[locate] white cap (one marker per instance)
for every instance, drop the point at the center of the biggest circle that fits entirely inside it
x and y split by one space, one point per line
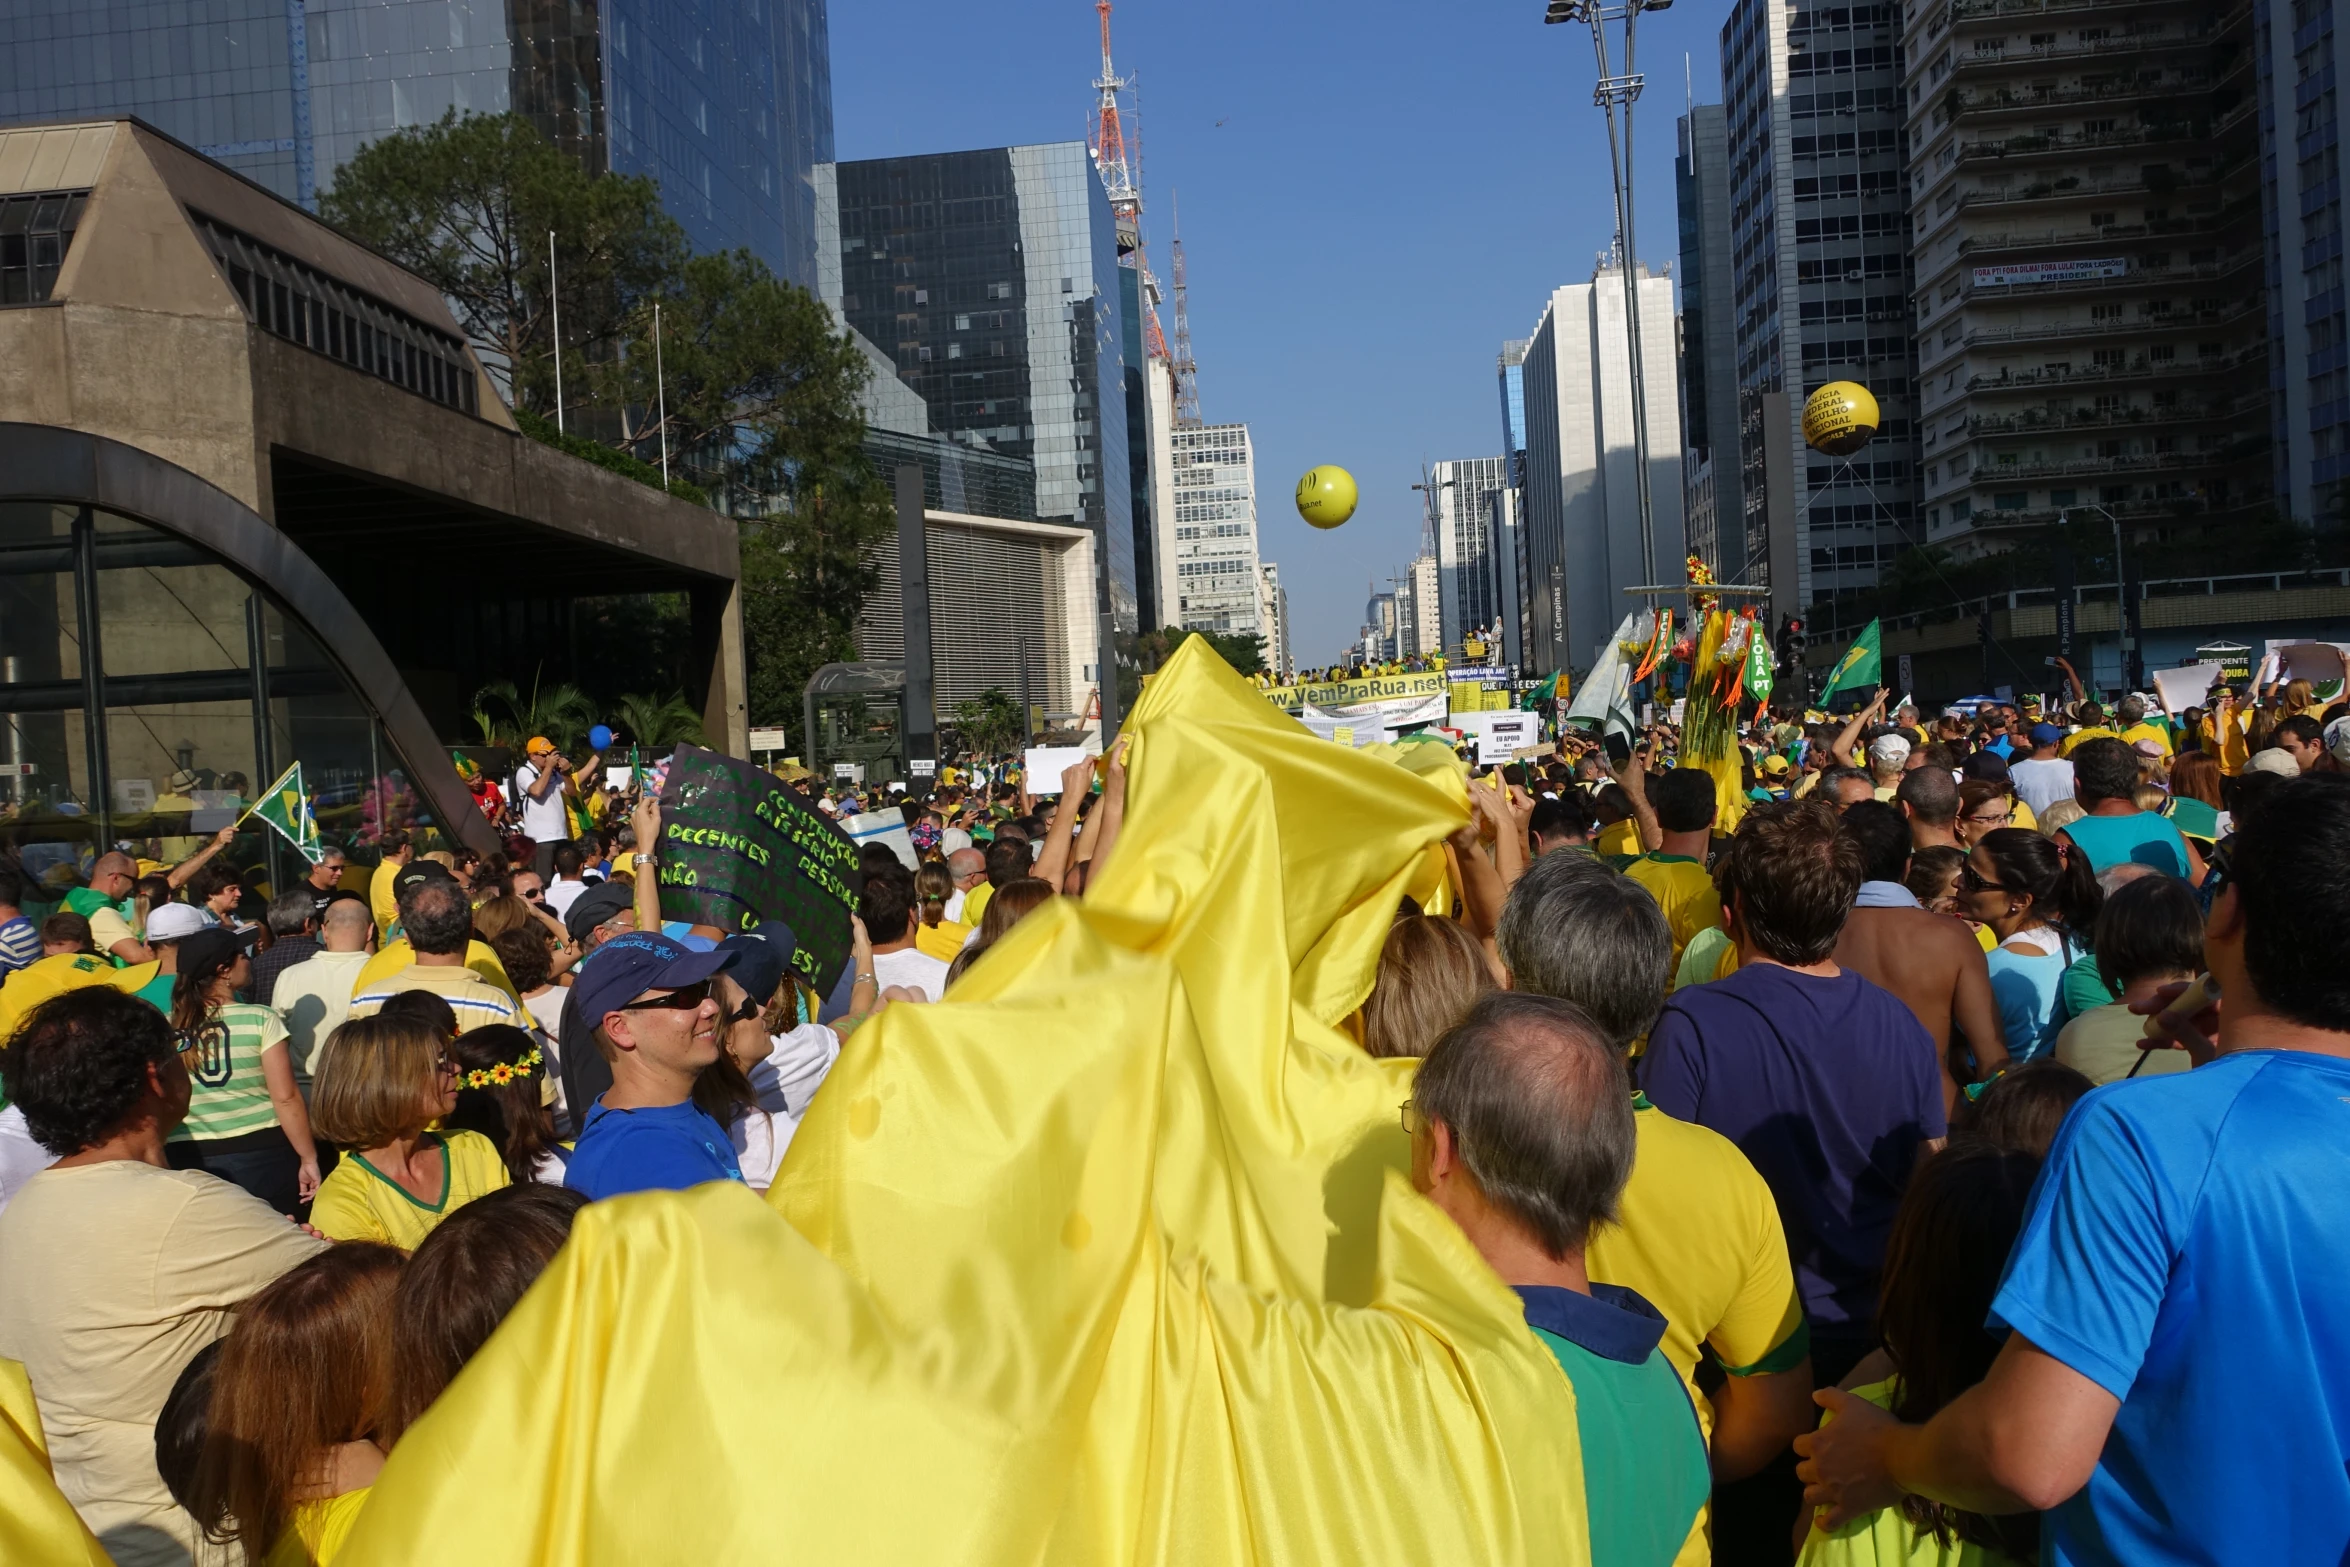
1889 750
172 921
2338 739
2275 759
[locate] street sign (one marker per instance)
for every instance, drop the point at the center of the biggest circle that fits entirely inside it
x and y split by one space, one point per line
770 739
922 767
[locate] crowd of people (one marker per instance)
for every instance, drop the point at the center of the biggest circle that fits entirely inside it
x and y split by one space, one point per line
1943 1162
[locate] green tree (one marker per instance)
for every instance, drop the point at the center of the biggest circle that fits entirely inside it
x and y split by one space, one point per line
989 723
506 717
468 202
659 722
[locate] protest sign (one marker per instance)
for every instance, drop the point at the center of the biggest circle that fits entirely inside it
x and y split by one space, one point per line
739 850
887 828
2185 686
1046 764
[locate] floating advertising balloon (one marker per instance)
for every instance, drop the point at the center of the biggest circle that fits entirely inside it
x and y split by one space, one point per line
1839 419
600 737
1326 496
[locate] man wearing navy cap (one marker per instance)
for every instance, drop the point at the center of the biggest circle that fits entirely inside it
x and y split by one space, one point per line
649 1003
2043 778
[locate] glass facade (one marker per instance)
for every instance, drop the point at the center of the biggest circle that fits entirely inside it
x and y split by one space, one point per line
991 281
146 692
727 105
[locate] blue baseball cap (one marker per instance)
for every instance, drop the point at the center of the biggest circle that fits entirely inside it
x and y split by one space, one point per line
761 958
2046 734
638 961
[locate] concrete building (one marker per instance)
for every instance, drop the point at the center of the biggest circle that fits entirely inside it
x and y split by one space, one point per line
1214 483
1419 601
2300 48
1468 524
1819 235
1582 510
1159 389
1709 360
990 280
1273 616
260 504
729 107
2092 325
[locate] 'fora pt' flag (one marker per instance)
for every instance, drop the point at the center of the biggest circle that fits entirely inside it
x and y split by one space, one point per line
1109 1258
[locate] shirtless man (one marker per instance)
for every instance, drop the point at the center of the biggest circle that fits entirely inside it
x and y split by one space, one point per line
1930 961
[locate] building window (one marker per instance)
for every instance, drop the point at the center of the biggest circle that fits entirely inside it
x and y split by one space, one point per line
35 233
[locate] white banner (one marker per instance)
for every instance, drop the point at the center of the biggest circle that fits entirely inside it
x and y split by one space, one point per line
2050 272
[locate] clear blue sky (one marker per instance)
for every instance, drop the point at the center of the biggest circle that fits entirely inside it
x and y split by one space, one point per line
1393 190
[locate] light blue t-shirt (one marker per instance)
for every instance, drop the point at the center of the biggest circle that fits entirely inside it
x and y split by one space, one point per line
2188 1250
2029 991
2141 836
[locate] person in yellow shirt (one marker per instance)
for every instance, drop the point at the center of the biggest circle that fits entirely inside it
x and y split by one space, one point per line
382 901
380 1083
1697 1234
2222 732
2093 727
1675 873
2136 726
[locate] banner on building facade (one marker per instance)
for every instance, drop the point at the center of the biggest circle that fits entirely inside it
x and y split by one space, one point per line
2025 272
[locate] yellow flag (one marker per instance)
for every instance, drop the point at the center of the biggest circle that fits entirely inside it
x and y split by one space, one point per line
1107 1259
38 1526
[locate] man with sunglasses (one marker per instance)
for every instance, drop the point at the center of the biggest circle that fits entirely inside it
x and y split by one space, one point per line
654 1019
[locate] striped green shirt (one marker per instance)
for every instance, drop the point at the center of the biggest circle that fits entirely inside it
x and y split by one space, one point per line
227 1094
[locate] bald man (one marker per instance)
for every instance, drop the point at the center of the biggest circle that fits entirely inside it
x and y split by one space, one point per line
969 868
100 903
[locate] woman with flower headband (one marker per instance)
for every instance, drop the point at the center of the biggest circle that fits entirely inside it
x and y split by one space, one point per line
382 1082
502 1095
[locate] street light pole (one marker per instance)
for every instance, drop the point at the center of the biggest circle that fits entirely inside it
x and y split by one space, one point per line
2121 589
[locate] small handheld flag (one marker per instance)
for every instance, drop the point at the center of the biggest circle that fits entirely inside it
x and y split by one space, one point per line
1860 667
285 805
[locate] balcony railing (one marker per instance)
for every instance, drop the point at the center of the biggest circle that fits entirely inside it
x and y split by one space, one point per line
1971 10
2140 369
1821 632
2096 467
2067 146
2143 277
2183 320
2073 188
2133 44
2168 228
2075 92
2047 421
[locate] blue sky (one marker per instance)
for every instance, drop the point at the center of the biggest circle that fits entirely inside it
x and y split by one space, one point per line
1392 192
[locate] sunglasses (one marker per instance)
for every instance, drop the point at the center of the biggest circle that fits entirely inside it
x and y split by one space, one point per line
1970 881
749 1010
683 999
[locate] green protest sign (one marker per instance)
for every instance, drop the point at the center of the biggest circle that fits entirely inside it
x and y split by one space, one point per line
739 850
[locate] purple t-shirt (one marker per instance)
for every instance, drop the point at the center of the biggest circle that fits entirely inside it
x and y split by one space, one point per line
1829 1086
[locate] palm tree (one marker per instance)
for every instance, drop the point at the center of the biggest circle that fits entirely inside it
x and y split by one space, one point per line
657 723
561 712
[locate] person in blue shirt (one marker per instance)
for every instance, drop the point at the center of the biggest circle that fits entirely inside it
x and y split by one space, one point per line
2177 1308
654 1018
2105 781
1522 1132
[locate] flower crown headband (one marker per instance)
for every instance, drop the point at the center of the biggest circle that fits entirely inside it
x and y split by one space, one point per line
504 1072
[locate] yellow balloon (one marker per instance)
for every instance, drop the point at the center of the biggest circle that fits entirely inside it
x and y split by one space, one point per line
1326 496
1839 419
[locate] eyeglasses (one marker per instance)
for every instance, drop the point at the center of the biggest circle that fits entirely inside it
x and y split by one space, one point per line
1413 1120
2000 820
447 1066
1970 881
683 999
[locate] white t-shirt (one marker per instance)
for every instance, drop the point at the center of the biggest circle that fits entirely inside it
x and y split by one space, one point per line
21 1158
561 894
2041 784
954 911
546 1010
314 997
542 820
794 1069
912 968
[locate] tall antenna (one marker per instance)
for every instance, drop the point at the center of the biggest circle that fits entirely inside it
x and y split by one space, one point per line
1119 168
1186 372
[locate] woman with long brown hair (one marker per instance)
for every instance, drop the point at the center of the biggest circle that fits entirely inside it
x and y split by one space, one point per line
2196 806
1431 971
246 1121
1020 896
299 1395
501 1078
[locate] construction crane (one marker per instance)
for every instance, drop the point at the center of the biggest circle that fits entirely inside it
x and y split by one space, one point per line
1117 166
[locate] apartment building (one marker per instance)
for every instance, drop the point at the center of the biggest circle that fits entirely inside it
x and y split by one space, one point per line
2092 324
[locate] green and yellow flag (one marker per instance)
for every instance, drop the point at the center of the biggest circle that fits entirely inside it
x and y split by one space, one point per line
285 805
1861 667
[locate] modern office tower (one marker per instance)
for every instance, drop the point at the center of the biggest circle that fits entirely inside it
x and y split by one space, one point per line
1709 360
1819 228
1517 607
2092 326
1512 366
1215 559
2302 212
1424 625
991 281
1382 637
1159 388
728 106
1582 506
1469 540
1273 618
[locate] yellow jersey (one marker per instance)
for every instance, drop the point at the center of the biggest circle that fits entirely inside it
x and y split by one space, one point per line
1684 891
314 1536
358 1202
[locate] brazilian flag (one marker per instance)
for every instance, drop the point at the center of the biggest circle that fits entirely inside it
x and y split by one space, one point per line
1860 669
285 805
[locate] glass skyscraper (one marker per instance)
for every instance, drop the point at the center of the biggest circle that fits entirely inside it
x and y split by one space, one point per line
990 280
728 106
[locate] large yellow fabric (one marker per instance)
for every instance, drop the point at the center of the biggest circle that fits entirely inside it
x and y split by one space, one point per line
38 1526
43 978
1106 1260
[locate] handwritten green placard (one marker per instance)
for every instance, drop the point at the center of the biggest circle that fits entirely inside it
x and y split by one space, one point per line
739 850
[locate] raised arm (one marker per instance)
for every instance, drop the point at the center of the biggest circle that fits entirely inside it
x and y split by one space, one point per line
179 874
1633 776
1052 866
646 869
1842 748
